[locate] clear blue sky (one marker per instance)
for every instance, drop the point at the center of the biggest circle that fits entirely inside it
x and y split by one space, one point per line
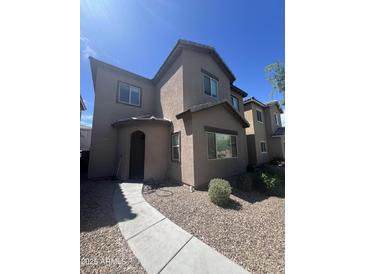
137 35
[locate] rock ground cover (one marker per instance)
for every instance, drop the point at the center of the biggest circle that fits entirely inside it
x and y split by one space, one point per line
250 230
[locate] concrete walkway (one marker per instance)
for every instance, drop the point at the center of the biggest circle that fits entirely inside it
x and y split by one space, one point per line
159 244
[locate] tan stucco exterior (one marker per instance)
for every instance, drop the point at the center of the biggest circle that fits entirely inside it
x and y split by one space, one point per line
176 87
263 132
156 152
207 169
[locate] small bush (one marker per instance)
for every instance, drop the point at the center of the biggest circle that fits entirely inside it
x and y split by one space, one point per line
271 184
245 182
251 168
219 191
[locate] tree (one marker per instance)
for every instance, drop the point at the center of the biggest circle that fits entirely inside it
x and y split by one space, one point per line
275 74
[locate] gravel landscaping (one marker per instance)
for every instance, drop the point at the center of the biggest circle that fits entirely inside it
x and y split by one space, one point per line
102 247
250 230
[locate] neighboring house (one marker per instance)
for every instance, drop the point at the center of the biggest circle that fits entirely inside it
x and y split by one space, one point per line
187 123
85 138
265 135
82 106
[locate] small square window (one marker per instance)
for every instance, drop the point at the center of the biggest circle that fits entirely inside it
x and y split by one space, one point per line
210 86
263 147
259 115
235 103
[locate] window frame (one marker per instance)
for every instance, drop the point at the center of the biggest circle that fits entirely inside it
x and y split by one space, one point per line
179 146
257 117
230 145
276 119
204 74
238 102
263 142
129 103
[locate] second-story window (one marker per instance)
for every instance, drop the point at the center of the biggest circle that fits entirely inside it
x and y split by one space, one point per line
175 147
235 103
210 86
259 116
129 94
276 119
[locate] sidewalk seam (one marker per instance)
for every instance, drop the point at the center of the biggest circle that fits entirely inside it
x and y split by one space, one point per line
138 203
175 254
145 229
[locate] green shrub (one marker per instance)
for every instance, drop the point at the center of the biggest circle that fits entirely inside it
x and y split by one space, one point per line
270 184
219 191
245 182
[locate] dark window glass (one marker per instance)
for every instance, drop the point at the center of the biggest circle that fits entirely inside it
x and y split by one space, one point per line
235 103
263 147
234 146
214 87
259 115
211 146
124 93
135 97
207 89
175 146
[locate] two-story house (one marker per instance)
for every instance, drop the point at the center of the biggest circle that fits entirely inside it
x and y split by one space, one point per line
265 135
187 123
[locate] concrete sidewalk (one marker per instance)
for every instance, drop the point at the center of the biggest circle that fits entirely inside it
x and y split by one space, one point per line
159 244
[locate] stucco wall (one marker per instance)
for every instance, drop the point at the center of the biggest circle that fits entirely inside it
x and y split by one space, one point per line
240 102
106 111
193 79
85 138
156 149
248 114
260 135
169 102
206 169
277 147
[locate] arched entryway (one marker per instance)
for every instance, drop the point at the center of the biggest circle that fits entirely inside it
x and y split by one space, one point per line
136 162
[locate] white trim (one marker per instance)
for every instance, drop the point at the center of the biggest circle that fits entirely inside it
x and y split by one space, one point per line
230 145
263 152
210 82
262 115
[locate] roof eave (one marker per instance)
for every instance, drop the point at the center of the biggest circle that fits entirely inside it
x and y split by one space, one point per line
226 105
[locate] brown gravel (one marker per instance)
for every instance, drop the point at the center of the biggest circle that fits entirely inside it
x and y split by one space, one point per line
250 231
102 247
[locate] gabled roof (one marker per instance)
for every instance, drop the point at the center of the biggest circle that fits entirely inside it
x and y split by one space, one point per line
206 106
279 132
275 103
180 45
237 89
254 100
145 118
185 44
82 103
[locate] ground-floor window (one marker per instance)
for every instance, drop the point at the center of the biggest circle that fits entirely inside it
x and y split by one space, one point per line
221 146
175 147
263 147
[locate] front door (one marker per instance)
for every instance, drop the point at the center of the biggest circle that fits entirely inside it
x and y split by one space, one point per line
136 163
